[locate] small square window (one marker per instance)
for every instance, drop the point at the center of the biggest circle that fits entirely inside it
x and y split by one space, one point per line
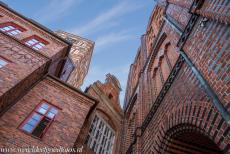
36 43
11 28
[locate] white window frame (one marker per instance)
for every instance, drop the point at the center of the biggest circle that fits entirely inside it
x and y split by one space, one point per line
11 30
105 138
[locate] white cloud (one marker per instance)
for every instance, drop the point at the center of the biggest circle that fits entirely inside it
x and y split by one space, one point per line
106 18
54 10
111 38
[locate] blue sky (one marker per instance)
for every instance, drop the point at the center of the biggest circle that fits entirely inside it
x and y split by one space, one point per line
114 25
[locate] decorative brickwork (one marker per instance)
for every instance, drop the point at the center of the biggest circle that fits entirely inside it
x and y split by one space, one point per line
25 83
181 101
108 109
80 54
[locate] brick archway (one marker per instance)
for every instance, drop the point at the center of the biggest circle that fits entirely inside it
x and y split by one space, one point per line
187 138
198 119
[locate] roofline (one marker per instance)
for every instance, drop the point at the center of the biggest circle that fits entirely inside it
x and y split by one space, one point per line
74 35
34 23
72 88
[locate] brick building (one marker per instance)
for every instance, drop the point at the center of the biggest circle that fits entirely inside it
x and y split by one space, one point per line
80 56
38 108
177 96
102 130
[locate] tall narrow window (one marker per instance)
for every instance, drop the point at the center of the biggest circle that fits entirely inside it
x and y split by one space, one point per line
11 28
40 119
101 137
3 62
35 42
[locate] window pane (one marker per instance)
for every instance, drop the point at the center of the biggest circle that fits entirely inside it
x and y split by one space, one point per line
30 42
54 110
50 115
2 29
34 40
28 128
2 62
35 48
11 27
13 32
42 110
32 122
45 106
101 136
41 127
6 28
38 46
41 44
36 117
18 31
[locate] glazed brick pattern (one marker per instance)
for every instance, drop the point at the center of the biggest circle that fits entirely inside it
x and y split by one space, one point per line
208 47
181 3
179 14
66 126
24 68
217 10
186 102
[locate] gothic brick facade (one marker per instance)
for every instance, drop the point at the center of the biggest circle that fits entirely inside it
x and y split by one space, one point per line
108 109
177 96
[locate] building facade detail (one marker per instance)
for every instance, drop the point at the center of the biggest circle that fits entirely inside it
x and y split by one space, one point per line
177 103
80 54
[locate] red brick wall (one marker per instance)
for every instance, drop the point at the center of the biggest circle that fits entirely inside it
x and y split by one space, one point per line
208 47
55 49
107 109
24 68
186 103
66 126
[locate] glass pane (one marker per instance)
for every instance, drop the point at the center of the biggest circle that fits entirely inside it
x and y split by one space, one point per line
34 40
32 122
50 115
41 44
36 116
27 128
2 62
11 27
38 46
13 33
54 110
6 28
30 42
45 105
18 31
42 110
35 48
